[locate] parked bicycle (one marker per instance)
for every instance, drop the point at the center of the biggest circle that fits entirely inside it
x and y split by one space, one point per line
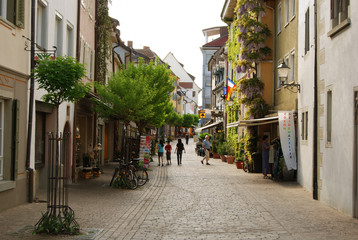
140 172
124 176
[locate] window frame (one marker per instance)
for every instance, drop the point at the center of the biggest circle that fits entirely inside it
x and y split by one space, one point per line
337 19
307 31
279 18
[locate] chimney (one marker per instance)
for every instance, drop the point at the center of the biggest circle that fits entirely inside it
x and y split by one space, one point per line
146 47
130 44
223 31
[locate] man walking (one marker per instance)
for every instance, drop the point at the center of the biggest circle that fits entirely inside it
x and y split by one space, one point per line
206 145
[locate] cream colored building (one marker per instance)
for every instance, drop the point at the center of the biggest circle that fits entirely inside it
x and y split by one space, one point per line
14 78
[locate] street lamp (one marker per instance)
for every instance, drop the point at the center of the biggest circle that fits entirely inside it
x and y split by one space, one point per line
282 71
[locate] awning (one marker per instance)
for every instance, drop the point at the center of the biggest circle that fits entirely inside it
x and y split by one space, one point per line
253 122
209 126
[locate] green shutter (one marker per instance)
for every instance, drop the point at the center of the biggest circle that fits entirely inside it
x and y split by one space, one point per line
20 13
15 138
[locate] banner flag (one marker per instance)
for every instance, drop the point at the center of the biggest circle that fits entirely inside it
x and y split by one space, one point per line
230 89
288 138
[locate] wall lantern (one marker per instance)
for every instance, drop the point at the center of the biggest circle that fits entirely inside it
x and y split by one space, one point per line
282 71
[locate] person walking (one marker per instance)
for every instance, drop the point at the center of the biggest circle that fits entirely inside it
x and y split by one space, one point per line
160 152
207 146
168 150
187 138
179 150
265 156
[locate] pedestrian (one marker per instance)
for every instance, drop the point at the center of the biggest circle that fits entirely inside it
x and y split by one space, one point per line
168 150
207 147
265 156
179 150
187 138
160 152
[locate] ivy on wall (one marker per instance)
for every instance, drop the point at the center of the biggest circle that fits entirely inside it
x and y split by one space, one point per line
246 49
103 46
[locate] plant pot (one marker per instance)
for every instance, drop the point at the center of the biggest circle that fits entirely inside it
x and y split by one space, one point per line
216 155
239 164
223 158
230 159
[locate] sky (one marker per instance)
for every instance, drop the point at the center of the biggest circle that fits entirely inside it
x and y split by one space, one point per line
169 26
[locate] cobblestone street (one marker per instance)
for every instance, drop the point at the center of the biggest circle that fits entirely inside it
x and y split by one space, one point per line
191 201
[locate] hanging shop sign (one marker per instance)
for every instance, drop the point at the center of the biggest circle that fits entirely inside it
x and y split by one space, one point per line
288 138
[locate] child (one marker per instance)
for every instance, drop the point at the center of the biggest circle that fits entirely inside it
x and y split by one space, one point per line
168 149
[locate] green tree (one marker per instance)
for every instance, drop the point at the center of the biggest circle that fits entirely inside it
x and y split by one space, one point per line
139 93
61 78
188 120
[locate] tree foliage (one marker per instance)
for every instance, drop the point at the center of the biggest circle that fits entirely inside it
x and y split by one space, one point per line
139 93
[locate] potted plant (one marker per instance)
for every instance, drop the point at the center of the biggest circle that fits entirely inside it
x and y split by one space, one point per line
215 149
240 155
230 153
222 150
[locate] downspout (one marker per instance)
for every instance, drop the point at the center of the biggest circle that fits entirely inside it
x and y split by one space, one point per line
315 110
31 106
74 131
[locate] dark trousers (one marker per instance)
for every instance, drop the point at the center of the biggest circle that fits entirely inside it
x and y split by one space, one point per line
179 156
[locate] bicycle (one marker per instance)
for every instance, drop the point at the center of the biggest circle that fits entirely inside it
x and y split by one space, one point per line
124 176
140 172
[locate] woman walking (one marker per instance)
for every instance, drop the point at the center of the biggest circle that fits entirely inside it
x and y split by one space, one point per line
160 152
179 150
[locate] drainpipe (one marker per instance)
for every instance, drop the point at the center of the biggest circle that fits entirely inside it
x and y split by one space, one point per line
315 110
31 106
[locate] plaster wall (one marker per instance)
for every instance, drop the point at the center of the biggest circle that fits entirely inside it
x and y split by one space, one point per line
337 72
305 98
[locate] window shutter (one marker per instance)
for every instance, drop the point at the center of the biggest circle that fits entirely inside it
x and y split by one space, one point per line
20 13
15 138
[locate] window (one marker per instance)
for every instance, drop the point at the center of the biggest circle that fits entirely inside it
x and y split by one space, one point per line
40 138
292 67
279 27
193 93
1 138
69 40
287 60
13 11
287 12
292 8
41 32
304 126
339 11
307 31
58 34
329 116
278 78
90 64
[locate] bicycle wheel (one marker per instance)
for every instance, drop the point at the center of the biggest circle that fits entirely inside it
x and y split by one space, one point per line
131 180
142 176
116 171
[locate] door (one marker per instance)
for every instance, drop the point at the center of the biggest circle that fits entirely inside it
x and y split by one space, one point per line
355 154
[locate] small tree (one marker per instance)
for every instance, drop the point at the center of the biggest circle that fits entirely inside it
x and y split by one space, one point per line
139 93
61 78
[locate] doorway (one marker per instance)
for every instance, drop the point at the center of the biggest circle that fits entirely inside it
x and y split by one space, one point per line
355 154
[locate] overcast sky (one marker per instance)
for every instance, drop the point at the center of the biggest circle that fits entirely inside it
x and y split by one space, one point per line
169 26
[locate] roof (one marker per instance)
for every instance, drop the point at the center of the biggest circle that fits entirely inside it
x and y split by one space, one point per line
186 84
219 42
